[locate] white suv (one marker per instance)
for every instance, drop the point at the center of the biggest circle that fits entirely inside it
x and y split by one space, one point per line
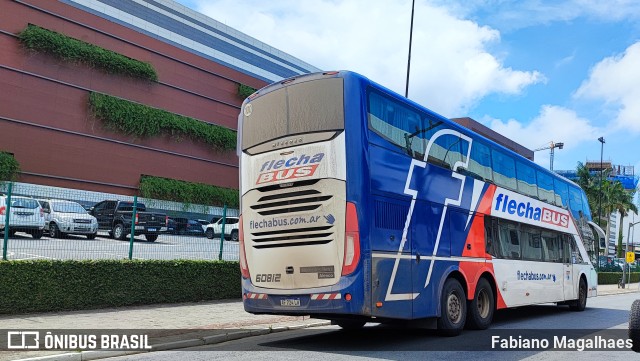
230 229
26 216
67 217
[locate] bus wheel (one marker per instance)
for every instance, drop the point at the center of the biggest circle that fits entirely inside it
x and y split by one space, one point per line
480 313
349 324
634 325
453 308
581 303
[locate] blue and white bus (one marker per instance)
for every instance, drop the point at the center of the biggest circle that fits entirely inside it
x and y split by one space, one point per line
360 205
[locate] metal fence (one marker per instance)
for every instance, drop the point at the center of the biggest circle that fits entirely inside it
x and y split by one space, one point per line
42 222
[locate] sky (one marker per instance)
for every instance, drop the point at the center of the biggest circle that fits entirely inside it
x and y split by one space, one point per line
535 71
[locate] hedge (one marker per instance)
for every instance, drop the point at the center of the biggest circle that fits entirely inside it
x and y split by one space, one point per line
70 49
188 192
9 167
143 121
611 278
41 286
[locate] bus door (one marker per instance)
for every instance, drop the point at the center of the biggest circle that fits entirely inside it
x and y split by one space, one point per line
567 276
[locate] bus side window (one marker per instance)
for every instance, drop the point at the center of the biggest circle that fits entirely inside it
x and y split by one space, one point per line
526 179
509 240
551 241
545 187
530 241
492 245
396 123
480 164
566 248
562 193
576 257
446 151
504 170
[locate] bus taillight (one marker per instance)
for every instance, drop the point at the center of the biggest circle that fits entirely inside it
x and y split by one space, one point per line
351 241
244 267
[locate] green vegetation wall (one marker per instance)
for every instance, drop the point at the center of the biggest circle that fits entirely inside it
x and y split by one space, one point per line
143 121
67 48
187 192
9 167
36 286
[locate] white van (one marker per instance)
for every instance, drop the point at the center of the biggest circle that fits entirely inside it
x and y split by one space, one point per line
25 216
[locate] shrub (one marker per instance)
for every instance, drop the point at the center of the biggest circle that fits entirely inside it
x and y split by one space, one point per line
9 167
143 121
611 278
70 49
187 192
37 286
245 90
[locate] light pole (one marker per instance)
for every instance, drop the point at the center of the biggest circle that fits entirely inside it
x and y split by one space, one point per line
601 140
551 146
406 91
624 264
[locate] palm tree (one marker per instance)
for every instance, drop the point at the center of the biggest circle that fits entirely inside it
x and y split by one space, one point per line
590 183
616 198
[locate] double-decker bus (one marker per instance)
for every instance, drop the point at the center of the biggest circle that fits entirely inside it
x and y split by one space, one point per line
360 205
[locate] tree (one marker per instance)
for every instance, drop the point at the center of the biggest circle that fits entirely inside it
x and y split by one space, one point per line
590 183
616 198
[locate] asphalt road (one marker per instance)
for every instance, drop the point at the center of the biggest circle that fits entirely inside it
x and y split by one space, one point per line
402 343
167 246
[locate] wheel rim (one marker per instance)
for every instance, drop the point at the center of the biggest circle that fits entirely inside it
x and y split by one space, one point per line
454 309
483 303
117 232
54 231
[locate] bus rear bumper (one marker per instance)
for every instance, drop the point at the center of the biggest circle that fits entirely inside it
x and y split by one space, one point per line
339 301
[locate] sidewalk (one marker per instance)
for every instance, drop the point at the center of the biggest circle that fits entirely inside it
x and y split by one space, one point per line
176 325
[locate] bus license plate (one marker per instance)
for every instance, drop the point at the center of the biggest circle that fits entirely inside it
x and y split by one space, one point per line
290 302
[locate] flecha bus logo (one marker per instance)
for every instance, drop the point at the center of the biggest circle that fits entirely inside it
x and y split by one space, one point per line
530 211
289 169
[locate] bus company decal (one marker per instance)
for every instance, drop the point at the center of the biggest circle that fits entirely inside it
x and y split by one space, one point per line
516 207
291 168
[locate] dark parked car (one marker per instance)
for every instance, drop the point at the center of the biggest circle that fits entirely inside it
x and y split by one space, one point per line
172 226
194 228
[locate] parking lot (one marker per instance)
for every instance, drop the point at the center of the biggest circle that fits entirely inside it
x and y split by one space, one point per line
168 246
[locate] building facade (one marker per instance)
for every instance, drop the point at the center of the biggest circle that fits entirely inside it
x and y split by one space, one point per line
47 120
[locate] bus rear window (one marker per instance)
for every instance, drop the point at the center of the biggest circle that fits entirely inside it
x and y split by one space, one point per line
308 107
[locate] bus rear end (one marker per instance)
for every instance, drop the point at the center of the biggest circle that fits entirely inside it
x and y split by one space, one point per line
299 239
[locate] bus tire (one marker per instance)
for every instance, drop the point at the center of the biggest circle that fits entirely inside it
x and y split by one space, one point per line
453 308
581 303
480 309
634 325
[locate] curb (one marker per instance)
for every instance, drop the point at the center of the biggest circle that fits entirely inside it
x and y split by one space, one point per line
194 342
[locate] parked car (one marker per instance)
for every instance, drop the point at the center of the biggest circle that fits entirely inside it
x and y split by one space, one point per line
178 225
204 223
194 228
67 217
115 217
230 229
25 216
172 227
